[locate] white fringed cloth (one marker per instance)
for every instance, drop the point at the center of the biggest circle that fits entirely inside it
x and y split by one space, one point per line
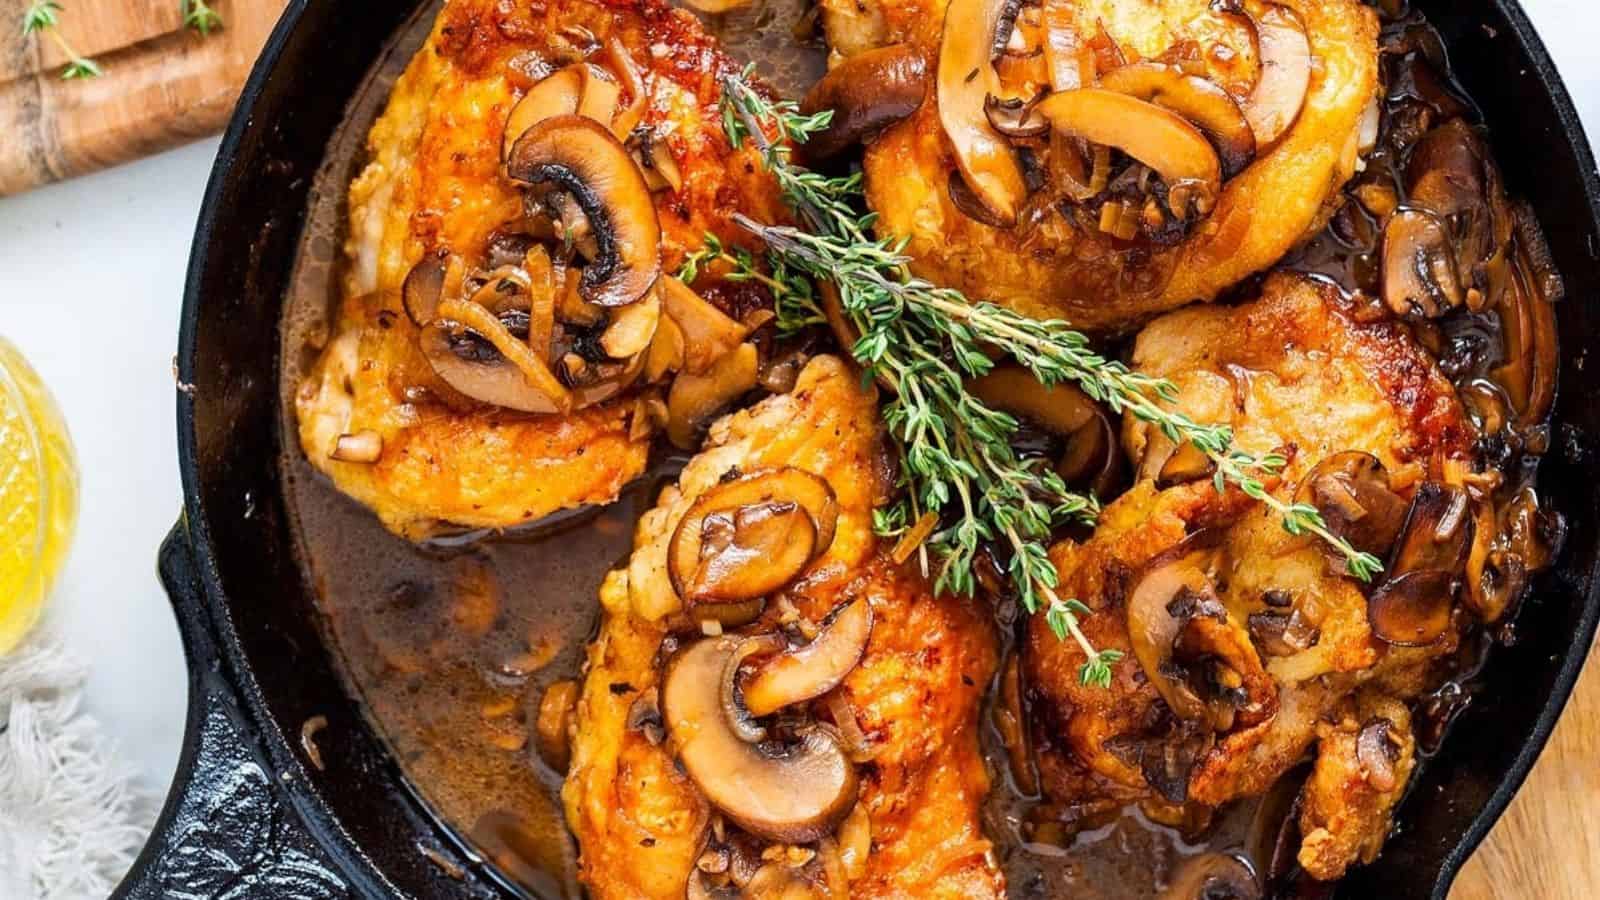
71 817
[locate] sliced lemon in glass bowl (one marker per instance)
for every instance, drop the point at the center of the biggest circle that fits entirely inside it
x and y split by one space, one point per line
38 495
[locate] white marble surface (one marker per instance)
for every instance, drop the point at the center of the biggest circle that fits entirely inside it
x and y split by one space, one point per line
91 276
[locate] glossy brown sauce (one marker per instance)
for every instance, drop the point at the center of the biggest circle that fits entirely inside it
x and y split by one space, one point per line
451 645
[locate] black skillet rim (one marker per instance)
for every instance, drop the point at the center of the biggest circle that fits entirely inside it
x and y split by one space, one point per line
276 747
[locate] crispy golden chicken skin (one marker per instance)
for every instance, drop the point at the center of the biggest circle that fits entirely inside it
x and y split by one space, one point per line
1077 260
1245 646
435 184
642 823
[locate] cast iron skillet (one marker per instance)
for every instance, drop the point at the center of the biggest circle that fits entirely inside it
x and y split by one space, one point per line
250 817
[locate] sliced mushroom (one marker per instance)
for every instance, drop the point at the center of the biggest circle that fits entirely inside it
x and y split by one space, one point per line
1351 490
709 334
428 282
965 78
582 158
1092 458
666 353
739 717
815 669
1206 105
1061 409
1283 633
694 399
1160 139
1274 104
1014 117
1419 266
1377 752
555 95
475 354
797 795
1437 531
1153 629
867 92
751 535
1413 609
741 553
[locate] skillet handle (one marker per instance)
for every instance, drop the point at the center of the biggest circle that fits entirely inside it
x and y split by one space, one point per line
227 830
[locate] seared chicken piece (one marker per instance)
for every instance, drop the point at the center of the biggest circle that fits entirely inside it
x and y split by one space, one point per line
422 453
643 824
1246 645
1284 93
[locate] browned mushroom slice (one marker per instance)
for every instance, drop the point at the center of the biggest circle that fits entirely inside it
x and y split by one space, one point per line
739 717
816 668
1412 610
1160 139
1199 660
1092 458
794 795
1274 104
1202 102
1061 408
866 92
694 400
965 78
1377 751
1437 532
1153 629
556 95
1351 490
429 281
1419 266
709 334
475 354
749 536
582 158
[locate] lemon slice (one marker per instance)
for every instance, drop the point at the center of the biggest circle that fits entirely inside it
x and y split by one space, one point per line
38 495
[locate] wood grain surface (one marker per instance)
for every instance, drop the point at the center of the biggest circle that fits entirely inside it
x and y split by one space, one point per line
164 84
1547 846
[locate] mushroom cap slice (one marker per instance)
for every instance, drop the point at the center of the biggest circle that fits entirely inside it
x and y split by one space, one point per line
505 373
1152 629
1419 266
694 399
795 796
867 92
1060 408
1160 139
1202 102
1412 610
965 79
556 95
581 157
709 334
815 669
704 573
1274 103
1351 490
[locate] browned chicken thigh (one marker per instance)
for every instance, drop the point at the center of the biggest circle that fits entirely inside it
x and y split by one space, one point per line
869 780
433 427
1246 646
1102 161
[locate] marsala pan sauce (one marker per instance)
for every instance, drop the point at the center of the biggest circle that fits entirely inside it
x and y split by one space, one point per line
452 645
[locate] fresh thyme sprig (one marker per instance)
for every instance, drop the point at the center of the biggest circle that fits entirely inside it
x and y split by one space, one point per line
197 14
925 341
43 17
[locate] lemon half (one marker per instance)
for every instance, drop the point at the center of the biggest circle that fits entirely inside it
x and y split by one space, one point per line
38 495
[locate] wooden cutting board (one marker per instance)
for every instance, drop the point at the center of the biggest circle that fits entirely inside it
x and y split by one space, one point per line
1547 846
164 84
